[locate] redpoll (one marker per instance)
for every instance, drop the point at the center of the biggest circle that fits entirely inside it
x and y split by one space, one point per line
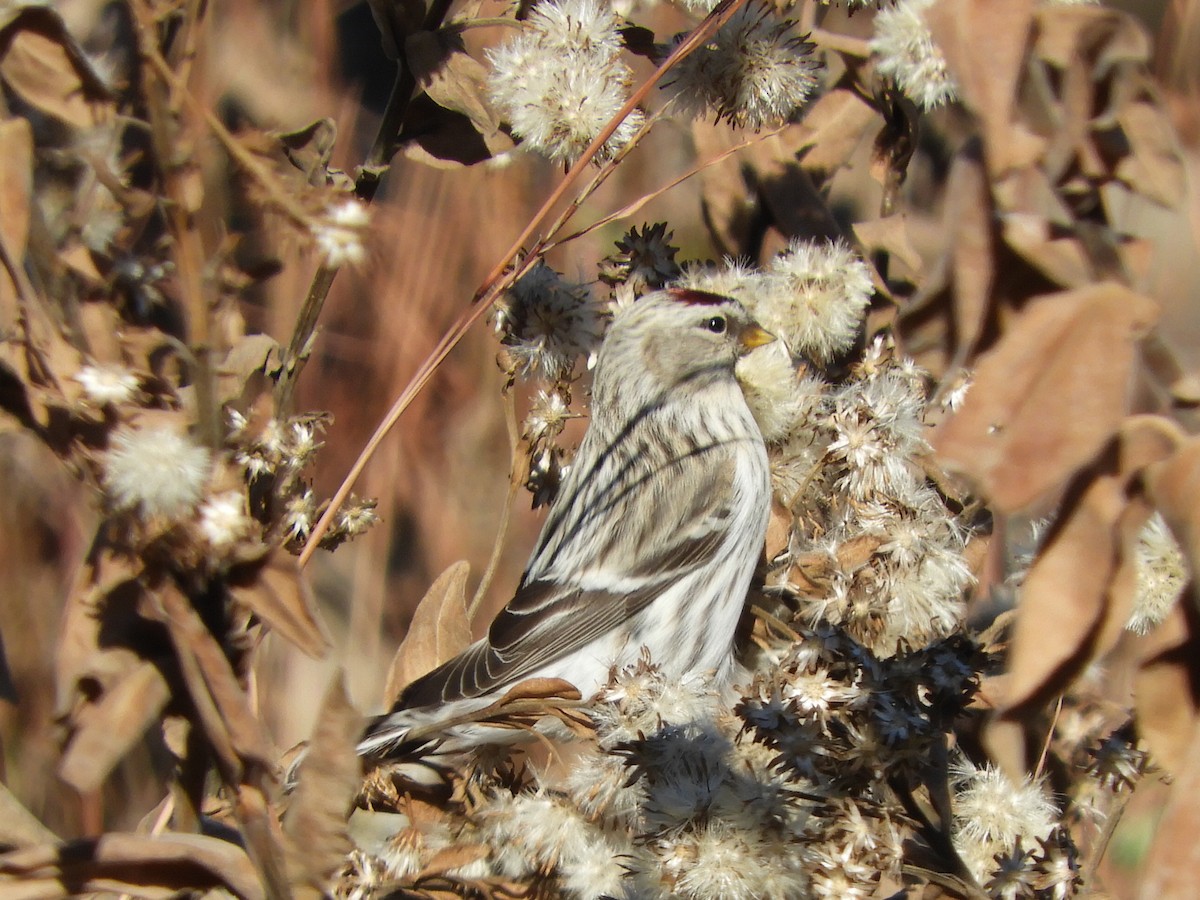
653 538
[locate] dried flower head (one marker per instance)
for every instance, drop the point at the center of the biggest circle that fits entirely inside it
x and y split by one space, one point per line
562 80
1162 575
755 73
782 395
103 385
818 293
992 814
223 520
644 260
908 55
546 323
548 415
155 471
339 233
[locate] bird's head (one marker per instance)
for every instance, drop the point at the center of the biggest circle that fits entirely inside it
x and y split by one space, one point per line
674 338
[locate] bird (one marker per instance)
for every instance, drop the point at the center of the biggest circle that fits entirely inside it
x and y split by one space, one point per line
650 545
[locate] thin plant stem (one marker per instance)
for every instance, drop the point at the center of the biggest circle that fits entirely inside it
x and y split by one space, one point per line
195 288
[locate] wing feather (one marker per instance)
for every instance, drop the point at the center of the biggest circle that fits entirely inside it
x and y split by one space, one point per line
598 561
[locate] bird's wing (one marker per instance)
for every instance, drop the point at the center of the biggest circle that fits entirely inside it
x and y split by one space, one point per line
546 621
555 613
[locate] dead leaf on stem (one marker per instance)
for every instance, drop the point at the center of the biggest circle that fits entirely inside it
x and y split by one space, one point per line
329 778
440 629
1078 594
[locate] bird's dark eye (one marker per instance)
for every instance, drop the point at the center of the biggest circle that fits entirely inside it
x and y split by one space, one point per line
716 325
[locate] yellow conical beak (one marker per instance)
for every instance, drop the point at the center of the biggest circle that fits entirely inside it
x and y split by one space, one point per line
754 336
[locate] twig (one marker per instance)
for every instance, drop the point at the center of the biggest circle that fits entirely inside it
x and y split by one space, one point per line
1041 763
633 207
173 165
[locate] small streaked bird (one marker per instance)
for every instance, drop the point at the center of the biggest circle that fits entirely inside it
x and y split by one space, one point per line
653 537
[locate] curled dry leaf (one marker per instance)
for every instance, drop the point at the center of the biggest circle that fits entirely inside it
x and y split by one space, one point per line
1174 859
833 128
222 707
275 590
1078 594
890 234
969 230
1174 487
18 826
1165 697
329 778
1049 396
467 129
439 630
41 62
150 866
105 731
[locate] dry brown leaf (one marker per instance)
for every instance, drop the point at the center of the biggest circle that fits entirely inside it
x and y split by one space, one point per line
454 857
456 82
972 255
150 866
1079 592
1174 488
1164 692
1063 597
440 629
540 689
779 529
1169 873
1062 260
310 150
1048 397
108 729
41 63
251 355
262 835
890 235
275 590
16 186
984 44
329 778
235 733
1154 167
832 128
18 826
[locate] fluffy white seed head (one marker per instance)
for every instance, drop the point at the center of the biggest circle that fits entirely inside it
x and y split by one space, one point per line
562 80
223 521
1162 575
107 384
781 395
816 296
908 55
755 73
339 234
991 814
155 471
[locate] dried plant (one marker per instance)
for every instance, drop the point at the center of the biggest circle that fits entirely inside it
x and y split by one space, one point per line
971 647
